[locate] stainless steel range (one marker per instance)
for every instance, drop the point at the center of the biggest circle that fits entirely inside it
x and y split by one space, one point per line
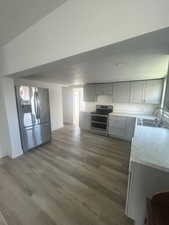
99 119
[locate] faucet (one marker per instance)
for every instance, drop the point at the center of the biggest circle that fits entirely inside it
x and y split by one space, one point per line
159 113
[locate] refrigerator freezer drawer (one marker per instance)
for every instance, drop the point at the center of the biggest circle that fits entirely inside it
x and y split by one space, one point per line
35 136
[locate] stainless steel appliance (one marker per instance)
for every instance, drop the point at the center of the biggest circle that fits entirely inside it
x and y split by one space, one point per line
99 119
34 116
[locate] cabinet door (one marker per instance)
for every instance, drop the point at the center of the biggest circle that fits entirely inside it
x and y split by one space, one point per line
121 92
89 93
104 89
122 127
130 128
137 92
129 189
117 126
153 91
108 89
99 89
85 120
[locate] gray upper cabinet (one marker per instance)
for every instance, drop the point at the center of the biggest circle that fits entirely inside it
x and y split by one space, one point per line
137 92
99 89
146 92
121 92
89 93
108 89
104 89
153 91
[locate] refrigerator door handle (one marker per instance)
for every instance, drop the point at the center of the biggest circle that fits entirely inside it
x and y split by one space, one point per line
35 105
38 106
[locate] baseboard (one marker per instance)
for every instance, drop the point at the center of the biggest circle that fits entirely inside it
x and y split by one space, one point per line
16 155
67 123
3 155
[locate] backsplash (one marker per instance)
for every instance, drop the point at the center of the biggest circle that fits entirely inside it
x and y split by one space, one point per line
126 108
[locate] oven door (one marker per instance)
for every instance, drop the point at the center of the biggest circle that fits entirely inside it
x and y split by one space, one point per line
99 122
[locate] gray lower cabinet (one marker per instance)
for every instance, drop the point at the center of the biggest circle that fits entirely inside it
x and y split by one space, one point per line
121 127
121 92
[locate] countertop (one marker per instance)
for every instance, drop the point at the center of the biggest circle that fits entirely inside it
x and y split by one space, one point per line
150 146
145 116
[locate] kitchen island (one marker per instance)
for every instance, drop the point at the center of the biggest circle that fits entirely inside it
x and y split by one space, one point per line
148 169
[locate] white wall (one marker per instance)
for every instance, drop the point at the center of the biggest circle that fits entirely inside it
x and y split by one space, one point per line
67 93
5 144
125 108
55 99
1 151
56 107
10 136
78 26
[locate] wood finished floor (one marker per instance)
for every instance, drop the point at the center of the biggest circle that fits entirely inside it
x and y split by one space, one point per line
78 179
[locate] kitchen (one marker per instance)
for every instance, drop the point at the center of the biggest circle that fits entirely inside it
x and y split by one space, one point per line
124 97
147 130
134 116
84 113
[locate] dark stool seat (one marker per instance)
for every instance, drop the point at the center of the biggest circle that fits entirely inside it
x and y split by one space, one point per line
158 209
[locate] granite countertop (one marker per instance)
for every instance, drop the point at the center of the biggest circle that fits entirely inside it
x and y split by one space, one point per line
150 146
145 116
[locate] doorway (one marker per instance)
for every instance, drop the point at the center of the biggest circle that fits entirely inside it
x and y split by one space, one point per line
78 104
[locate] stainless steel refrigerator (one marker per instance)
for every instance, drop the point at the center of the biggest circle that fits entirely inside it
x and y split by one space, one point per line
34 116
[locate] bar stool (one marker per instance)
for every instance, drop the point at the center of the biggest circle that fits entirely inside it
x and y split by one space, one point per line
158 209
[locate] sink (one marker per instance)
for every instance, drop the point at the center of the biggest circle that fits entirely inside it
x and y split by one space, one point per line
149 123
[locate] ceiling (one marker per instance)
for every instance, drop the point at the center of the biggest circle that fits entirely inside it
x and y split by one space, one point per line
17 15
144 57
